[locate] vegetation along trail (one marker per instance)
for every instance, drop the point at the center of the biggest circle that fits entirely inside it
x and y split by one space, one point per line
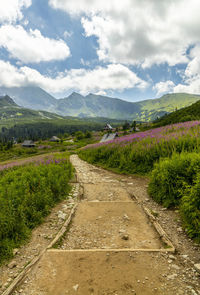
112 246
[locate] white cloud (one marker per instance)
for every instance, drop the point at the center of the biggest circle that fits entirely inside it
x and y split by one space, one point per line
10 76
112 77
138 31
10 10
164 87
32 46
191 76
67 34
192 86
84 62
101 92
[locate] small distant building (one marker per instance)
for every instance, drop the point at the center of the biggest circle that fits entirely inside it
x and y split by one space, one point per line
108 137
108 127
55 139
136 129
69 140
28 143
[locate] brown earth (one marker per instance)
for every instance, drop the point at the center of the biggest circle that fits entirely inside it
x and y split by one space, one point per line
108 225
106 250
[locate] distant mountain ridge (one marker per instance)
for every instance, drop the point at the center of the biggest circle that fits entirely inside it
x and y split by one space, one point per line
96 106
30 97
6 101
93 105
9 110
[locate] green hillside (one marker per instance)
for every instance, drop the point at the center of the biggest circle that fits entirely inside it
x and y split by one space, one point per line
11 113
189 113
153 108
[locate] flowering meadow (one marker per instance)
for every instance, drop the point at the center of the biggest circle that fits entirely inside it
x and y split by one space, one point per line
170 155
137 152
27 193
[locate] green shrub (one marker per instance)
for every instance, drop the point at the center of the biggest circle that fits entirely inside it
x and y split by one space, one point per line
176 182
190 210
171 176
26 195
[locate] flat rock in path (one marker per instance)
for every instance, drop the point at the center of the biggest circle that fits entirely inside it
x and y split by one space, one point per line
12 264
172 277
75 287
61 215
125 237
197 267
15 251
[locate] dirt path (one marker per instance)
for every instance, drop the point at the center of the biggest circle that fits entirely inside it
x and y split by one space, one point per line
112 248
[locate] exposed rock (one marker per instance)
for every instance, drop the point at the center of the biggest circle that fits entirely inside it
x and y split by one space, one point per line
15 251
125 217
172 257
125 237
179 229
122 231
75 287
61 215
197 267
12 264
172 277
175 266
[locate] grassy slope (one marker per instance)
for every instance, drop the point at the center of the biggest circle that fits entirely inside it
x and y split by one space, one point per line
152 108
189 113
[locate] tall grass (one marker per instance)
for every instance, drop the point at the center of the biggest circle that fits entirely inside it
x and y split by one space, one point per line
175 182
27 194
137 153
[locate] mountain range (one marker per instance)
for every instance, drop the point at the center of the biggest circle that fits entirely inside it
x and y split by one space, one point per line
10 111
93 105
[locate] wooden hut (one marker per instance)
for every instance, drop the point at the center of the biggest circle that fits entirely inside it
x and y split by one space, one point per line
55 139
108 127
28 143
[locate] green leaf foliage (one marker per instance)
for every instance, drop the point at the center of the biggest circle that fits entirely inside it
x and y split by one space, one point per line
26 196
190 209
175 181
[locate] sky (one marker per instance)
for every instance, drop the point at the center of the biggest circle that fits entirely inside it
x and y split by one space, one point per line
130 49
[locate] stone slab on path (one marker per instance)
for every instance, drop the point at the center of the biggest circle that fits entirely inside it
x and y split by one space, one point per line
111 225
105 192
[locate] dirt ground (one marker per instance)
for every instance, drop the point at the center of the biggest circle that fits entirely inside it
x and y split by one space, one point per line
111 225
108 273
107 249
